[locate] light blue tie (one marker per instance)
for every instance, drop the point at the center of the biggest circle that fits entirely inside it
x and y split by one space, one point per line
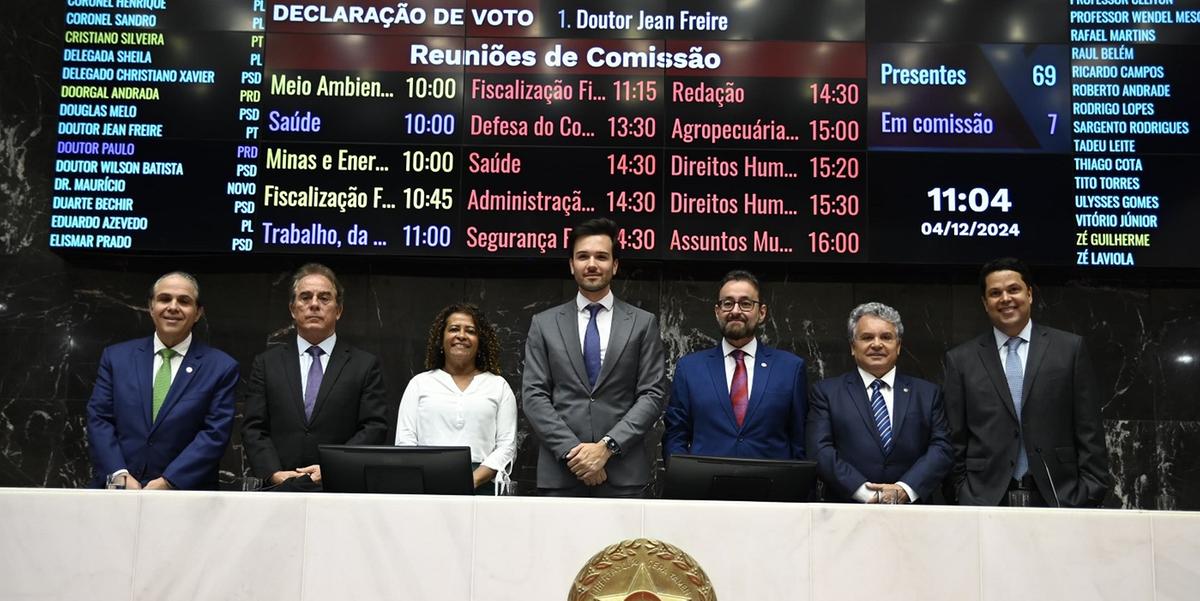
591 346
882 421
1016 380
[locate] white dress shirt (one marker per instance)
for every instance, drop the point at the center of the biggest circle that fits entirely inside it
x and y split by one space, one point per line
603 320
433 411
889 379
180 349
1026 334
306 359
751 350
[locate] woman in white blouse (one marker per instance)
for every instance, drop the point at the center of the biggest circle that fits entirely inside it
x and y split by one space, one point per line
462 400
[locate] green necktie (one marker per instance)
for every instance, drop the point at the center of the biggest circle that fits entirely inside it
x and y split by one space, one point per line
162 382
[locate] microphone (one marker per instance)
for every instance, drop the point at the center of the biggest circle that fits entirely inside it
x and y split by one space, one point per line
1053 488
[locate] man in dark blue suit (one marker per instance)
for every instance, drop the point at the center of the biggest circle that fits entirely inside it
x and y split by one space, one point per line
878 435
741 398
161 412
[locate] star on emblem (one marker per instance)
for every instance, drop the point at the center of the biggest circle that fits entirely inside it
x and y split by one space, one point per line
641 588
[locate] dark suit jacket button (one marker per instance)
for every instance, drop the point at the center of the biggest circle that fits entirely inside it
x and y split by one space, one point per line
739 439
1016 433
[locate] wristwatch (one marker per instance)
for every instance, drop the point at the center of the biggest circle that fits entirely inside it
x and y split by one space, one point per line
611 444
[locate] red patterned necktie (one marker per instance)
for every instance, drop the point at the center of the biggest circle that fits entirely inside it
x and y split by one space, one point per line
738 391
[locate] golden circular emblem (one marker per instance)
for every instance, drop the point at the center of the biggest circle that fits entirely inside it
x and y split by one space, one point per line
641 570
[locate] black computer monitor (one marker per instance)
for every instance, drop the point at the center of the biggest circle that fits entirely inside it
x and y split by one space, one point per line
396 470
737 479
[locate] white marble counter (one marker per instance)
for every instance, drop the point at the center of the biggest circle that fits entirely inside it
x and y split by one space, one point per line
161 546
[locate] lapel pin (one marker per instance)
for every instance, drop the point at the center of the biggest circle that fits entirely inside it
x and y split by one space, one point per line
762 364
189 369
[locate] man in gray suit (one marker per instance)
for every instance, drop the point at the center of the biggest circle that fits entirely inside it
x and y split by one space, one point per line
594 379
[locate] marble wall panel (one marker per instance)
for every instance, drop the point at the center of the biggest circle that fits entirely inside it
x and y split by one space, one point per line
561 538
780 535
940 553
39 546
1176 541
1178 462
237 529
1176 353
1036 555
353 537
1133 461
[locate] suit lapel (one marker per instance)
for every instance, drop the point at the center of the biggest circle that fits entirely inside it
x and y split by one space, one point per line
901 396
989 355
858 397
568 329
762 363
1039 343
183 378
291 371
716 370
337 360
144 361
618 338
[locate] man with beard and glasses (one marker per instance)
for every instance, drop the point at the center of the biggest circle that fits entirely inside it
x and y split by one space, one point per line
741 398
594 381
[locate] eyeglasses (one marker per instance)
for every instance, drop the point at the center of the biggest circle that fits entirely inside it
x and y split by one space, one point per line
746 305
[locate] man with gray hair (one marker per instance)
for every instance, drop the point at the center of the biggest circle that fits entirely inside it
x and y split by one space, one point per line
315 389
877 435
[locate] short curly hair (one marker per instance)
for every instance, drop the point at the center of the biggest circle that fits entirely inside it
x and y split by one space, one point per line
487 358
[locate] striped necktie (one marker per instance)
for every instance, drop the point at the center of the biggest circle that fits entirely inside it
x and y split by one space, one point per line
882 421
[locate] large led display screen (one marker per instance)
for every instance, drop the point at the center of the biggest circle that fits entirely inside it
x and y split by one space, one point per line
817 131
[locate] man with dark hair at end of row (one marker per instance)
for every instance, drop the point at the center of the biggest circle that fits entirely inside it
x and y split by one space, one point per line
1023 406
741 398
594 382
316 389
162 408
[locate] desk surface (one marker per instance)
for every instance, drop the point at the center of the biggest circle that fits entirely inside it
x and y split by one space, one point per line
81 544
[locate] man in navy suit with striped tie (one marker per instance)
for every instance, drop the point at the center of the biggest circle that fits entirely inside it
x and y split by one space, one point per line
878 435
739 398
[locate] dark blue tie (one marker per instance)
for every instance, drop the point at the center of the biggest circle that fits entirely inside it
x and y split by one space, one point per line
882 422
591 346
315 373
